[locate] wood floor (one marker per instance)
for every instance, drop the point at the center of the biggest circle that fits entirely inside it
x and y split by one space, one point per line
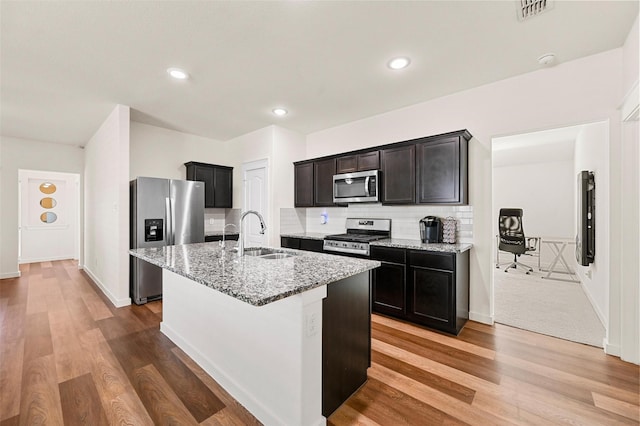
67 356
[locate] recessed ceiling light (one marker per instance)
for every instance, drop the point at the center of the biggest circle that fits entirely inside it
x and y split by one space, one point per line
279 111
399 63
546 59
178 74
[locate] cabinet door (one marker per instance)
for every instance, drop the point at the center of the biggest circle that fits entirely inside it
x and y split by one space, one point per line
399 175
205 174
347 164
289 242
441 174
311 245
369 161
389 290
432 298
223 187
323 182
303 185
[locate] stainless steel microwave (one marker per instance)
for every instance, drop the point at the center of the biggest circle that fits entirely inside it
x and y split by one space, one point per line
359 187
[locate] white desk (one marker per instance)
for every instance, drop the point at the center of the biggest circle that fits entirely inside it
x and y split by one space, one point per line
558 246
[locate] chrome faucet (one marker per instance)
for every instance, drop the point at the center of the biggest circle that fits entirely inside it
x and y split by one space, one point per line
225 227
241 236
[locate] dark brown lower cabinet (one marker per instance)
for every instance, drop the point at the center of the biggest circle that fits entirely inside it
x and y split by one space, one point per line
346 332
424 287
438 293
388 289
346 340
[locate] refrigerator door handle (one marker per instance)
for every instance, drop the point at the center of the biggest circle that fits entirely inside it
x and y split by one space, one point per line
168 219
172 204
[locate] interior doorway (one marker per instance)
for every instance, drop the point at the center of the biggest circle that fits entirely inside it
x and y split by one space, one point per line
49 216
536 172
255 176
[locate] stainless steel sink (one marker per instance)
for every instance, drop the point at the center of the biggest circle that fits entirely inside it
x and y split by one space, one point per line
267 253
277 256
258 251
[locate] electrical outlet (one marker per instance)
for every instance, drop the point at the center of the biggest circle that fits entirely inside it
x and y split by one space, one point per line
211 221
311 324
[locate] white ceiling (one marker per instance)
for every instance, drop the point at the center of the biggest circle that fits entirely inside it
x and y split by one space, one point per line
64 65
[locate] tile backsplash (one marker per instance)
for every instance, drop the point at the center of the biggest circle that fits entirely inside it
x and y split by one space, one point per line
404 219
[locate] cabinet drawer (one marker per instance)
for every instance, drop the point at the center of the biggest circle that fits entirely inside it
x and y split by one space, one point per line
388 254
288 242
443 261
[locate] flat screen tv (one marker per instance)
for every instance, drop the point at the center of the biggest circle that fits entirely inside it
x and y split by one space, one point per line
586 220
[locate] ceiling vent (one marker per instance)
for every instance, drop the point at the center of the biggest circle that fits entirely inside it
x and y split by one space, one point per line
527 9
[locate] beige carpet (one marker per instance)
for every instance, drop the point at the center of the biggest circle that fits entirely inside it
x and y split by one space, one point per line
555 308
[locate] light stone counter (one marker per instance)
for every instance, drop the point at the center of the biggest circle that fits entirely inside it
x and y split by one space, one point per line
419 245
251 279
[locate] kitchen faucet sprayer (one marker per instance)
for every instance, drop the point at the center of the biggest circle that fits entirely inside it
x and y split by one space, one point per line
241 236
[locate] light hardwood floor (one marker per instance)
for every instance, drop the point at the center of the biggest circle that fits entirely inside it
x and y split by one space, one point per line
67 356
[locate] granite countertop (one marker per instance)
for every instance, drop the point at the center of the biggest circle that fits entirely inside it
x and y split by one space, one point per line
419 245
307 235
252 279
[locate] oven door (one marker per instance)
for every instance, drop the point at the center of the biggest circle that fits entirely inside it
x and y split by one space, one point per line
360 187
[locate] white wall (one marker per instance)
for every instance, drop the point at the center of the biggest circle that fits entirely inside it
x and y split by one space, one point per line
280 147
545 193
288 146
580 91
592 154
17 154
106 210
158 152
627 302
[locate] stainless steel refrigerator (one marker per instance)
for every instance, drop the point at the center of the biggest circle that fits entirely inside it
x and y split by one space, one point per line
164 212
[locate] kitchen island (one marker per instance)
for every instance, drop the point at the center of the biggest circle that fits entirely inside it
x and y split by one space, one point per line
288 337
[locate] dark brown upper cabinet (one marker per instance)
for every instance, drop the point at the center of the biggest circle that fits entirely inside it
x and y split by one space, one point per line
399 175
358 163
441 168
323 182
218 183
303 184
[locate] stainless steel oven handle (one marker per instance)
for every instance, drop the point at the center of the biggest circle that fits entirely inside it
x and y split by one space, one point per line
366 186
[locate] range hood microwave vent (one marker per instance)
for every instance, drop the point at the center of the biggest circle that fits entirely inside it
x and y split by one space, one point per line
528 9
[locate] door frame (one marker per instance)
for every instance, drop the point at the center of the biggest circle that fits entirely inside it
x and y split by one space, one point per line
253 165
76 226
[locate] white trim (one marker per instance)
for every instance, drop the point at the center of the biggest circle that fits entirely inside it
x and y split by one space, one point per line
118 303
601 317
6 275
485 319
610 349
44 259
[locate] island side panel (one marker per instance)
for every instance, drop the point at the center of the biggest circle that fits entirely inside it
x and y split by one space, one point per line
346 339
269 358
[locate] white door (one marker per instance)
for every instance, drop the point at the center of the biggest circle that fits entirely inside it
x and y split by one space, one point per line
49 216
255 190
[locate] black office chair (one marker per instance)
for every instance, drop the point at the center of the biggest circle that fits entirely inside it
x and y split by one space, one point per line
512 238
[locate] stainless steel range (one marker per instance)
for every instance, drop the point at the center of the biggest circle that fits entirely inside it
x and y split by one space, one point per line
360 232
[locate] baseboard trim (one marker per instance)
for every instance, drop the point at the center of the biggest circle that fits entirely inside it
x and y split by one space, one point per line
485 319
611 349
601 317
46 259
218 374
118 303
5 275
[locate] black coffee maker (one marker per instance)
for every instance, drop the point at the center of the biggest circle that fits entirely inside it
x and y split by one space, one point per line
431 229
